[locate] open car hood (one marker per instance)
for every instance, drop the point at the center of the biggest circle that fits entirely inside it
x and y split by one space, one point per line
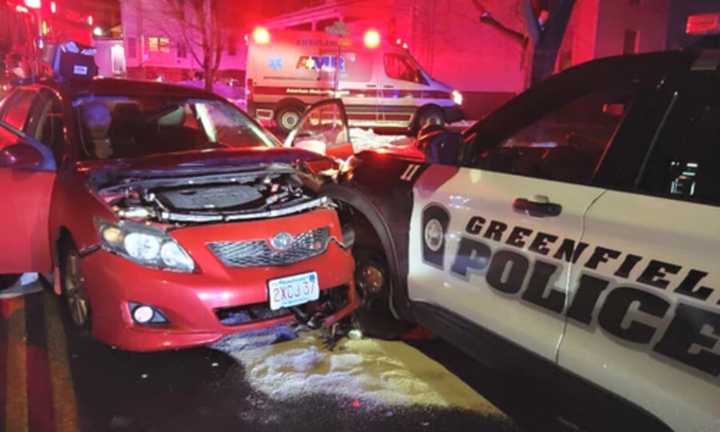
203 160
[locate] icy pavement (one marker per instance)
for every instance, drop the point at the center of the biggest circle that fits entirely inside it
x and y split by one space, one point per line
374 373
367 139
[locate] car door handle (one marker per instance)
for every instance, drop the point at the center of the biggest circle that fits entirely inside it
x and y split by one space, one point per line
539 207
389 86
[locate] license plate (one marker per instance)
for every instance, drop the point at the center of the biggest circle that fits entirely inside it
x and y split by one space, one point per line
293 290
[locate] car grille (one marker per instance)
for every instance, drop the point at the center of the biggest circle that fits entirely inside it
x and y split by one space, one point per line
259 253
240 315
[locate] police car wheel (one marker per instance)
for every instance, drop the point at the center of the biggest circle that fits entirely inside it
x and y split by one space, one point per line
374 317
288 118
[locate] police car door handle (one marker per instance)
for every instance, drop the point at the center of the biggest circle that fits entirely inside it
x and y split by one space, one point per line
540 207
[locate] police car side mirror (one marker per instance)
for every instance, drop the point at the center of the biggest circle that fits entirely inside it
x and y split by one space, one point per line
443 147
20 156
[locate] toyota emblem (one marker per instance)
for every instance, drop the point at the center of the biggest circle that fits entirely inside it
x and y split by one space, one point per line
282 241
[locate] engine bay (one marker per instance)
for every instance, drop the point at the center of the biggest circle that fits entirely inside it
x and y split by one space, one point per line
214 197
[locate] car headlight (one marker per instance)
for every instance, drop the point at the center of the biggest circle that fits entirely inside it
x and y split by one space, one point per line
145 245
457 97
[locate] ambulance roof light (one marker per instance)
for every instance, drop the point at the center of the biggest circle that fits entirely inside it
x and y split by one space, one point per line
261 35
703 24
33 4
372 39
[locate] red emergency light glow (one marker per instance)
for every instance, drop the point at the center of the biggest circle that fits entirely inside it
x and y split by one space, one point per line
703 24
53 7
261 36
33 4
372 39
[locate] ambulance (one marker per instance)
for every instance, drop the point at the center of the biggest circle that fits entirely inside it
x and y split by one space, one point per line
379 81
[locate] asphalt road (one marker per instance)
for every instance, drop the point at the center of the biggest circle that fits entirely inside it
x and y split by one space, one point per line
58 380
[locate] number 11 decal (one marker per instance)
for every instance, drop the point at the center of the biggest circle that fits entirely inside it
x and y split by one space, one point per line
410 172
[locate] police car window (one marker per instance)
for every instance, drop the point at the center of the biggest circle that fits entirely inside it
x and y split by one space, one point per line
400 67
685 161
123 127
16 108
563 144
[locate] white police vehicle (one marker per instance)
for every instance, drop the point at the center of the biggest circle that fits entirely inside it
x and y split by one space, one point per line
572 238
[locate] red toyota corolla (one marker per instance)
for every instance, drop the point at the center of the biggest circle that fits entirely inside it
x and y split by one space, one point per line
169 217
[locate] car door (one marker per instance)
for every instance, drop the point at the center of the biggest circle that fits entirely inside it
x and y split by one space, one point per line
323 130
650 330
494 240
27 175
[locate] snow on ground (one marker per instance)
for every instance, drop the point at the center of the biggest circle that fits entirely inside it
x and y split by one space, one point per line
367 139
379 373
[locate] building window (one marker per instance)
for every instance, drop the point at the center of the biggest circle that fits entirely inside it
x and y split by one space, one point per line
301 27
158 44
232 45
630 44
117 58
132 47
322 25
181 50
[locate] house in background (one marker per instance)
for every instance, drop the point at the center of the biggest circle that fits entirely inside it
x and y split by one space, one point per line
155 46
451 42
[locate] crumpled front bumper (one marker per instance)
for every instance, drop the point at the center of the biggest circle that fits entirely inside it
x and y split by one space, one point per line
190 301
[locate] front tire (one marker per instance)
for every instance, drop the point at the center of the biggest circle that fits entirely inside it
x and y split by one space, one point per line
73 289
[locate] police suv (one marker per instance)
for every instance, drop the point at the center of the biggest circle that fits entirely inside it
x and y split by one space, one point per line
572 237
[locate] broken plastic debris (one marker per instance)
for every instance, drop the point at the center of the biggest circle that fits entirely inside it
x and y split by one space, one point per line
355 403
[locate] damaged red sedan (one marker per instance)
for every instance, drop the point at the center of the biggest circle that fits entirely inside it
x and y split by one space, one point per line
169 217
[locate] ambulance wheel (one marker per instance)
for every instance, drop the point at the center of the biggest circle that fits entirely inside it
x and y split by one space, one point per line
372 279
428 116
288 117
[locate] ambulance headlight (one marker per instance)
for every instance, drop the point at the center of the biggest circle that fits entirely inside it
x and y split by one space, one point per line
457 97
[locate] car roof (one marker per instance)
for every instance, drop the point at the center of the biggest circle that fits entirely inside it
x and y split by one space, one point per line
126 87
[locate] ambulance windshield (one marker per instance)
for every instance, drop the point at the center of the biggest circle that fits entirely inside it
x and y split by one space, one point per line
124 127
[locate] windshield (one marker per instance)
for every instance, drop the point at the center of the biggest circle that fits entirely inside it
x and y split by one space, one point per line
131 127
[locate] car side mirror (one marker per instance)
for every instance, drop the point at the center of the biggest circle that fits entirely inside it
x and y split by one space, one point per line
441 147
22 156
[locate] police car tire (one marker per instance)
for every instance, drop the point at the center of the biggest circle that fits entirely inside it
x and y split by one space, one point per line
282 117
375 318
